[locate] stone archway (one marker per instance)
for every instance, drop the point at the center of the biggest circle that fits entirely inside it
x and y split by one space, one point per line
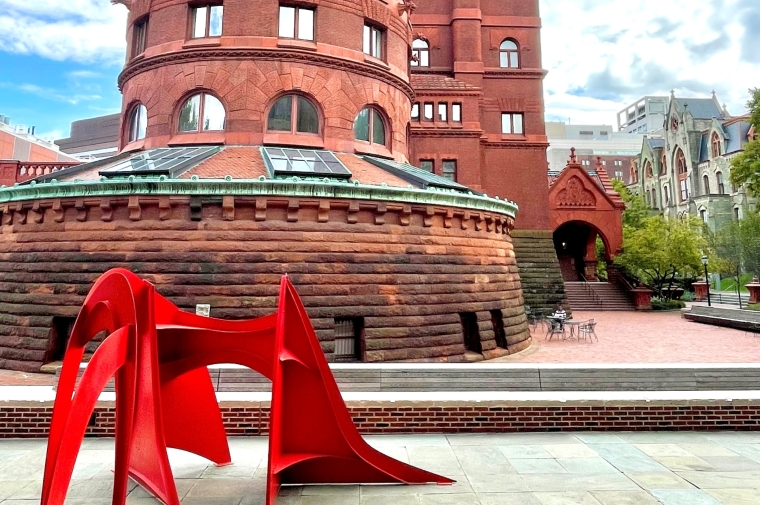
575 243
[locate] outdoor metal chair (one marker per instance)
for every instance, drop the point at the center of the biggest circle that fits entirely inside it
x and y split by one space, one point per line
556 327
588 329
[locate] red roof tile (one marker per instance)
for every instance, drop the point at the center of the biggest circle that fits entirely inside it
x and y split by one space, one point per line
239 162
431 81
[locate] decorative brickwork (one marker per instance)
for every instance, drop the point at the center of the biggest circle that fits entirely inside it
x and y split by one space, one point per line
251 419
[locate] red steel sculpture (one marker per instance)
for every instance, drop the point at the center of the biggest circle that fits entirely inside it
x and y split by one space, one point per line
165 397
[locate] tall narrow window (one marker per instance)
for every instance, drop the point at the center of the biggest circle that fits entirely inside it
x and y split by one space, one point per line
138 123
509 54
428 112
715 145
296 23
456 112
721 185
443 112
427 165
290 107
369 126
207 21
450 170
684 190
499 334
373 41
420 53
648 170
706 182
202 112
416 111
681 162
512 123
139 37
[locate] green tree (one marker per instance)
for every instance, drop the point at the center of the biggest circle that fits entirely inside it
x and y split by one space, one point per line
663 251
745 168
636 209
737 247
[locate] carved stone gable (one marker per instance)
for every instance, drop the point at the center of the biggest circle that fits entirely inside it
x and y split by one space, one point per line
575 194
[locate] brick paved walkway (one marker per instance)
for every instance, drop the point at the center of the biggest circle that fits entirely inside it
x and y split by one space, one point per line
646 337
520 469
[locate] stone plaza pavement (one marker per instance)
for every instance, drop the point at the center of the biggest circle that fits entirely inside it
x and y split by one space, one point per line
670 468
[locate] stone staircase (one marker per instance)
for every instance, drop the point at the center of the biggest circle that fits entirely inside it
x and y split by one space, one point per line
539 269
603 296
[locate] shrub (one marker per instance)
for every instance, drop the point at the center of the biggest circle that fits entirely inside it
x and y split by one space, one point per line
660 304
688 296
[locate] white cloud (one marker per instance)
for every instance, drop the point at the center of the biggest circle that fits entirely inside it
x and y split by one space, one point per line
84 31
52 94
602 56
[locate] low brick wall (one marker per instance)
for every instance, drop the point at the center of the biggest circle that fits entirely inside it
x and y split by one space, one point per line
20 420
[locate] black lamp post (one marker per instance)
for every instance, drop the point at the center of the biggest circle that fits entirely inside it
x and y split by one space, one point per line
705 261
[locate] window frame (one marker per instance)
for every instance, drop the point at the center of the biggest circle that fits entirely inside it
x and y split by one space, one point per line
456 169
371 126
294 116
509 52
418 51
374 29
134 119
715 145
721 183
706 184
512 116
443 107
296 22
432 112
140 36
415 106
201 113
432 165
456 107
207 26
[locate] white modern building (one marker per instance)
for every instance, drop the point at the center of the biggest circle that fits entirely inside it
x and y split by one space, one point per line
646 115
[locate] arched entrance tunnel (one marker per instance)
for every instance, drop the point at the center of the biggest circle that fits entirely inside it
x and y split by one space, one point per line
575 243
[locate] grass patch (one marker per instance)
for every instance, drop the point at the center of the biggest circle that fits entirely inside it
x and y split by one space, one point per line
754 307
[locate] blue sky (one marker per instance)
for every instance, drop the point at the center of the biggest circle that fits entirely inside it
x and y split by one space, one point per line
59 59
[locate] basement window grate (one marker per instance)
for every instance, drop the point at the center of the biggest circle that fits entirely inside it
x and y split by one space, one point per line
349 334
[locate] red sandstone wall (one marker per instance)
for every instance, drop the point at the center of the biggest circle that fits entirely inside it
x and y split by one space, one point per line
408 270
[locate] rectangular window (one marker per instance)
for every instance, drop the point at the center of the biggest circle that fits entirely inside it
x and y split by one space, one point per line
373 41
428 112
296 23
604 163
684 192
348 339
450 170
427 165
456 112
443 111
140 37
511 123
619 175
416 111
207 21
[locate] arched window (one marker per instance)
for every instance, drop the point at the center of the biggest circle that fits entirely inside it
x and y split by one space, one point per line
293 114
666 195
420 53
649 170
721 185
509 54
664 165
138 123
202 113
715 145
654 198
681 162
706 184
369 126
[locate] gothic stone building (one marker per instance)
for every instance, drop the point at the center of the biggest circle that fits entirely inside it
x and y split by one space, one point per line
688 171
266 137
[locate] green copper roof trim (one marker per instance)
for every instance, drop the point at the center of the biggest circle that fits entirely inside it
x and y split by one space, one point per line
291 187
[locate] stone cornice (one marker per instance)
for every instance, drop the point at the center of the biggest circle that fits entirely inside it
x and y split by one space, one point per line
445 132
289 188
280 54
513 145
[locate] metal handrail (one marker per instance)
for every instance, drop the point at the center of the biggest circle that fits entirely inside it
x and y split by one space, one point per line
591 291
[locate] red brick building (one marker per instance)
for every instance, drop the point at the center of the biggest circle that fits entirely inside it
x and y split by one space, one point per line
270 141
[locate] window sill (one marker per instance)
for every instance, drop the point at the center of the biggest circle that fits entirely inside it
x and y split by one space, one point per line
506 136
376 62
203 42
372 149
297 140
297 44
179 139
136 145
